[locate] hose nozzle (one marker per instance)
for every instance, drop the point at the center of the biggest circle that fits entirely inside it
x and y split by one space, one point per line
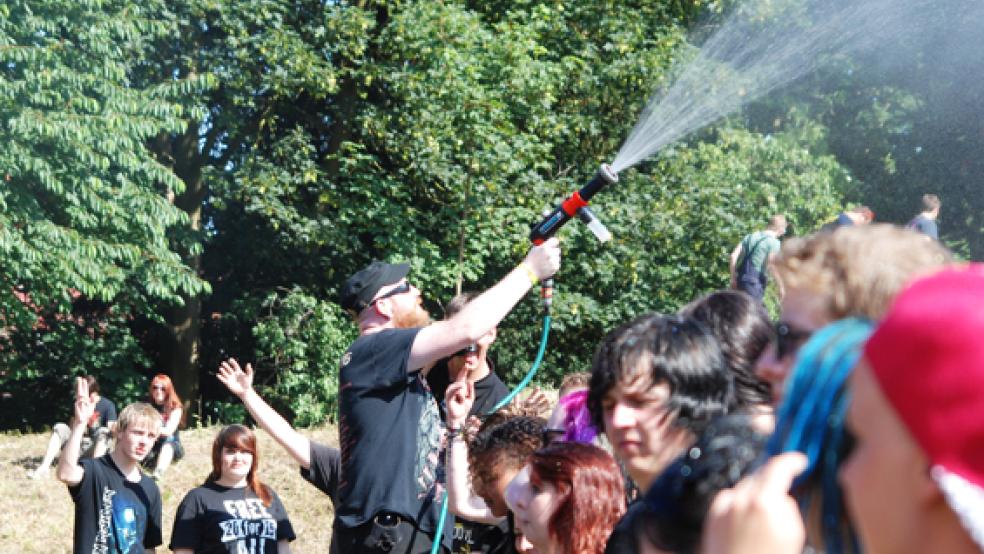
568 208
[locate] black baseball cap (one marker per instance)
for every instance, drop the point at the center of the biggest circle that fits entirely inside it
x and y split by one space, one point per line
359 290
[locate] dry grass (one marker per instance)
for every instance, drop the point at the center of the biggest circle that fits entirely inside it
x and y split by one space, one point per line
38 514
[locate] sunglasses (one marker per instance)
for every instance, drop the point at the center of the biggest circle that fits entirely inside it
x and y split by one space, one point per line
470 349
403 288
789 339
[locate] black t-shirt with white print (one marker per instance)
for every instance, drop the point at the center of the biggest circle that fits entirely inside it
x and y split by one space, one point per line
391 436
113 515
213 519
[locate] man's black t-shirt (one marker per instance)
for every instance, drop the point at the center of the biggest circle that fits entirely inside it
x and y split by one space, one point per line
326 466
390 434
623 539
113 515
213 519
489 390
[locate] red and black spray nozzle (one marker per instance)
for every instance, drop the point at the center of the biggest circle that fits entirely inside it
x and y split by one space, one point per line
577 204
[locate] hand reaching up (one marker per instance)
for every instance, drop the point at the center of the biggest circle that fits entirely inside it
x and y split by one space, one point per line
235 378
459 398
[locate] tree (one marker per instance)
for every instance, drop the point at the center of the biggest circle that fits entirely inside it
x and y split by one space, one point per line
452 127
84 221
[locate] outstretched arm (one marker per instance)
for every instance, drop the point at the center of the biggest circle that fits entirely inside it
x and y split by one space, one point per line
478 317
240 383
69 470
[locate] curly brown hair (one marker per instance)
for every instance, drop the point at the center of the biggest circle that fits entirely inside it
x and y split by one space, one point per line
572 382
503 446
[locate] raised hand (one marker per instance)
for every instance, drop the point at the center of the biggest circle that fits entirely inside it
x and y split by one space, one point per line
84 407
235 378
544 259
537 402
459 398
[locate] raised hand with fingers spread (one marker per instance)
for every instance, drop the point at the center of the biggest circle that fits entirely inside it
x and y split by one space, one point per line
238 380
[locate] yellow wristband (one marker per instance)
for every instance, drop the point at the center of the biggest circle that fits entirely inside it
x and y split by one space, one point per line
529 272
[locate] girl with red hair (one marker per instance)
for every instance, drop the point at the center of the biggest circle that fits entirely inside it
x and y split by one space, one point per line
168 446
233 511
567 499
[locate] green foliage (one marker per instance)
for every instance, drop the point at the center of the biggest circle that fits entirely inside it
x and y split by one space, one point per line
451 156
298 340
83 217
302 139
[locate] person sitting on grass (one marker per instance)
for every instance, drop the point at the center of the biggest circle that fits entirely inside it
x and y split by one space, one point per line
168 446
233 511
117 507
95 442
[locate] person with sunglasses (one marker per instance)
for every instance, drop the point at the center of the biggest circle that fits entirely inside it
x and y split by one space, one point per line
853 271
391 436
168 447
471 362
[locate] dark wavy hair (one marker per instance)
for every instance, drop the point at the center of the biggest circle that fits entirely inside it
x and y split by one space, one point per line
593 499
666 349
743 330
677 503
239 437
503 445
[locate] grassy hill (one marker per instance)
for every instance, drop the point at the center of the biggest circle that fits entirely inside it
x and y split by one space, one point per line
38 514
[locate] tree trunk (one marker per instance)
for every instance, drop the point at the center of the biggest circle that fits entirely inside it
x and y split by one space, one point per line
179 354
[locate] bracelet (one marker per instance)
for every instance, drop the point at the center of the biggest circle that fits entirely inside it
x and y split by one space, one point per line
530 273
456 432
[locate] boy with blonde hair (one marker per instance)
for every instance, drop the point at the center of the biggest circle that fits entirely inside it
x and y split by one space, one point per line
117 507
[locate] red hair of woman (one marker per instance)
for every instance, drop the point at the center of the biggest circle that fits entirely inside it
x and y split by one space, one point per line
593 497
172 400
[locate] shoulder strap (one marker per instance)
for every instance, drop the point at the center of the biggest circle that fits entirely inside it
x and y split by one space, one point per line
748 251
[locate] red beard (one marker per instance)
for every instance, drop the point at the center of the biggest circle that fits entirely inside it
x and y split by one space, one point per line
417 317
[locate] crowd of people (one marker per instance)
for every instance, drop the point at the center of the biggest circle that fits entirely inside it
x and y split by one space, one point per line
853 423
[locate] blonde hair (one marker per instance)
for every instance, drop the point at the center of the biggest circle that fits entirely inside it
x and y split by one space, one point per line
139 413
859 268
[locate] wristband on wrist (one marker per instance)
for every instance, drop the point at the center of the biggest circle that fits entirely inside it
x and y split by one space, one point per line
456 432
530 273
